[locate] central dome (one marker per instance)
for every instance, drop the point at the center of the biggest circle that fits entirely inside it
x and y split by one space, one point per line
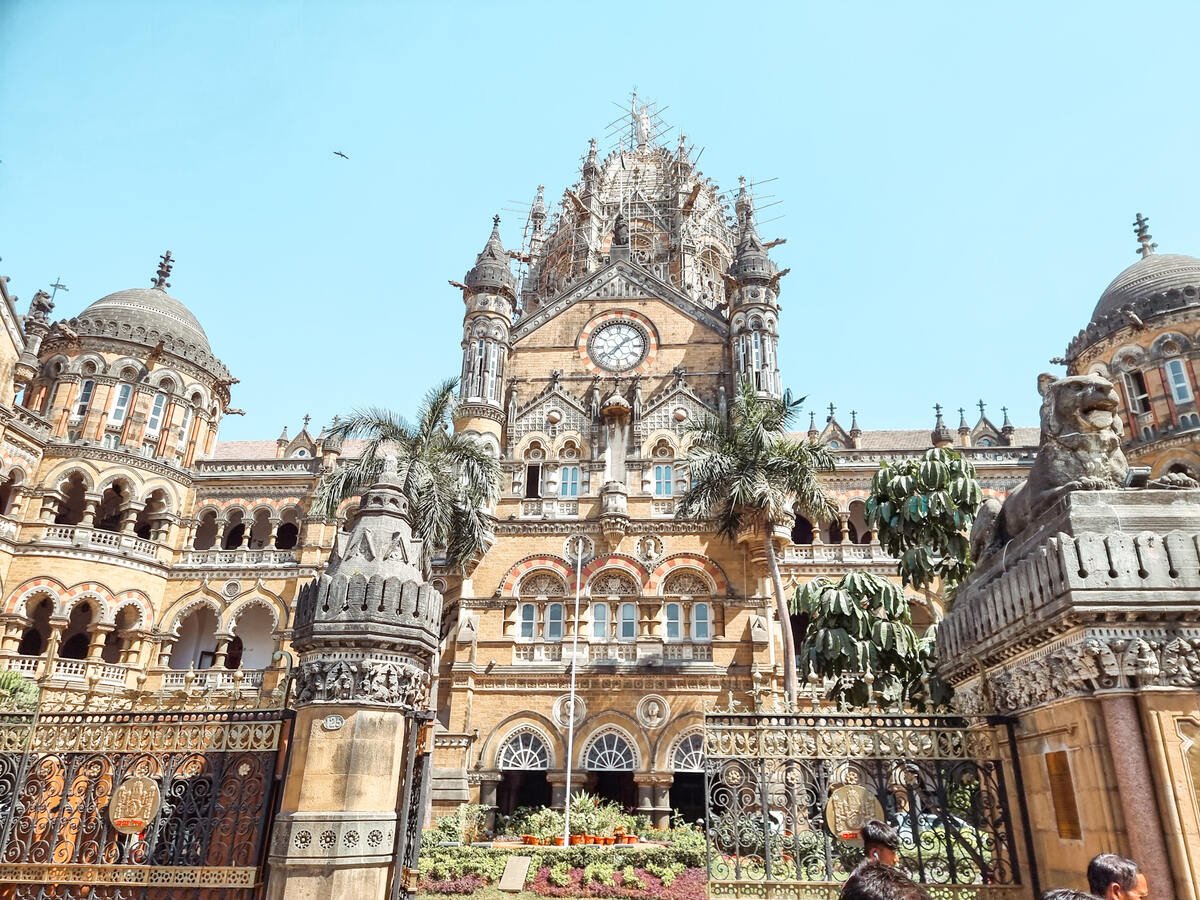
148 315
1154 274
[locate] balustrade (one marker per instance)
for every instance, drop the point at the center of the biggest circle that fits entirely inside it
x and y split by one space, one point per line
84 536
802 553
237 558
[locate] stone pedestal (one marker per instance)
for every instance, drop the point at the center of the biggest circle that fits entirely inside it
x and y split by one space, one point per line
1085 630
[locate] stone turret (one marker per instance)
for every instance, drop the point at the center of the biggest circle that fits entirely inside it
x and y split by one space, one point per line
753 286
366 631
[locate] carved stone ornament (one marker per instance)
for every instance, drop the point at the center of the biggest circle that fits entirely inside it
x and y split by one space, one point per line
650 548
561 710
1092 663
392 683
653 711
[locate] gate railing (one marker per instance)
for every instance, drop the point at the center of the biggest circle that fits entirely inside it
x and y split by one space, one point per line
786 794
147 795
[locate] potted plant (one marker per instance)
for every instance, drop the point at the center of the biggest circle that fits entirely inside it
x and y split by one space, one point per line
583 818
545 825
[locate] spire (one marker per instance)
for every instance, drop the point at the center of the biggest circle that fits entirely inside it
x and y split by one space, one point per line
491 271
982 406
283 436
812 426
306 420
832 411
854 429
1141 227
940 436
590 166
962 420
166 263
751 264
538 212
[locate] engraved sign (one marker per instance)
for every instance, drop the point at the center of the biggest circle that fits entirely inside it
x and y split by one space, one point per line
134 804
849 808
333 722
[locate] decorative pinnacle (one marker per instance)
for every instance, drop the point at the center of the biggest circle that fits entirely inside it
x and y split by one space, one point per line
1007 423
164 272
854 420
812 422
496 221
962 419
1141 227
937 408
832 410
981 406
307 418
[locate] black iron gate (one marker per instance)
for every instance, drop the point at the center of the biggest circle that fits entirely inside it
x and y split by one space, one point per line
786 794
148 804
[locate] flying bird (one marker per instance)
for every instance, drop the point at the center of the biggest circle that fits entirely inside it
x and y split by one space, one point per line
341 154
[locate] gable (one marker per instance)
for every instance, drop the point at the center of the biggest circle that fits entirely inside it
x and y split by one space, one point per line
620 280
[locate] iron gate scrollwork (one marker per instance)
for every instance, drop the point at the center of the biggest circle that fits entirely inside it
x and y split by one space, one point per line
204 832
780 786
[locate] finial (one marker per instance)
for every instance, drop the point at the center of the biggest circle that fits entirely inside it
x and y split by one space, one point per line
307 418
854 420
496 221
937 408
812 422
57 286
832 409
1007 423
1141 227
164 272
981 406
962 420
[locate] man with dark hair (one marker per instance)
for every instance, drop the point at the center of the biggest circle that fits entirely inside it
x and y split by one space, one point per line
1113 877
881 842
1066 894
874 881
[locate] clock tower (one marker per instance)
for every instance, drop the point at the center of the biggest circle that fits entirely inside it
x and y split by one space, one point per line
634 310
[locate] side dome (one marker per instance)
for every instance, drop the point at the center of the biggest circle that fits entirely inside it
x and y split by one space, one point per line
154 312
1155 273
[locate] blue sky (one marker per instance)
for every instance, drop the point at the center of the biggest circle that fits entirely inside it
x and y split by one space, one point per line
956 181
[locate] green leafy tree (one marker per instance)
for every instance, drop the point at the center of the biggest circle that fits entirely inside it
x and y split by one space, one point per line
860 634
922 510
17 692
746 472
448 478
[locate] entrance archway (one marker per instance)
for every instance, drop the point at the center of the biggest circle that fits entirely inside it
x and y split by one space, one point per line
611 761
522 760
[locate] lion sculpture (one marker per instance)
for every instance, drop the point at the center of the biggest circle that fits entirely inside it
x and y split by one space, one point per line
1080 451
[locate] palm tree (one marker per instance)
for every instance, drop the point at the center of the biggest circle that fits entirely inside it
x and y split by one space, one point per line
448 478
747 472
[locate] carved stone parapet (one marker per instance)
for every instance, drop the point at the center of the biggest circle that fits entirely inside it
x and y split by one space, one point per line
362 679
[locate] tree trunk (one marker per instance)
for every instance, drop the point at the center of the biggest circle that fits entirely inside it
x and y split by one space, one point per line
790 675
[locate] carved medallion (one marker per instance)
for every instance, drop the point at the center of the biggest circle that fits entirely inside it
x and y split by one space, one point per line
849 808
134 804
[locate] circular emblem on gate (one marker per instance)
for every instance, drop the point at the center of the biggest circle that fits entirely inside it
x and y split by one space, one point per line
849 808
134 804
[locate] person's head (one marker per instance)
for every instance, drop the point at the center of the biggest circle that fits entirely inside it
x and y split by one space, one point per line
881 842
1113 877
1066 894
875 881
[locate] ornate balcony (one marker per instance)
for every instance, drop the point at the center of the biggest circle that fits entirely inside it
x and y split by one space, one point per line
103 675
837 553
237 559
84 537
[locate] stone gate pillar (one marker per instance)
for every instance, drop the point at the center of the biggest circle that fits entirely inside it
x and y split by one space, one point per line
366 631
1084 631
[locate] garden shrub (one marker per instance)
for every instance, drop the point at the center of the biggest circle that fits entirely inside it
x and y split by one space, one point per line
558 875
598 873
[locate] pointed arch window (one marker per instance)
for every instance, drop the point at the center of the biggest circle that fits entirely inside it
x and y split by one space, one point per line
524 751
121 404
609 752
154 421
85 397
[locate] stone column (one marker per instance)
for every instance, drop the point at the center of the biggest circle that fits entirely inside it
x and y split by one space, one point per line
165 646
558 786
99 633
274 533
222 649
361 686
654 790
91 505
57 627
1135 787
13 629
129 516
489 782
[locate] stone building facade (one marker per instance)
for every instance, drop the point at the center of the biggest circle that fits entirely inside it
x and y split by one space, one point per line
137 549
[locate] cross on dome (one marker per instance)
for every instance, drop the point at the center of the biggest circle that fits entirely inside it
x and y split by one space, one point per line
166 263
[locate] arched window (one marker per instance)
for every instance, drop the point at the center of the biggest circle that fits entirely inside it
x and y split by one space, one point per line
568 481
154 422
802 531
85 397
554 622
689 754
600 621
609 752
1139 397
664 480
185 425
528 620
628 622
701 622
121 404
523 751
674 621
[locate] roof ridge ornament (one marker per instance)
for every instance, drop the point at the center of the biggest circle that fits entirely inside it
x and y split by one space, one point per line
166 263
1141 227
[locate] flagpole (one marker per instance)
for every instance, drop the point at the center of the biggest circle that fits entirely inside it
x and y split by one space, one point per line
571 696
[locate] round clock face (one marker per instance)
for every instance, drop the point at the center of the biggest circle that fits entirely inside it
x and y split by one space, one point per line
618 346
